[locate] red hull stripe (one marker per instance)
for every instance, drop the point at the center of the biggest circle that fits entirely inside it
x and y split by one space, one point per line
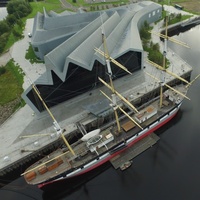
116 153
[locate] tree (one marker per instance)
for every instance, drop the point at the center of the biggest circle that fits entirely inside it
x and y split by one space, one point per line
11 19
19 8
16 33
155 47
2 70
179 16
4 27
3 41
144 31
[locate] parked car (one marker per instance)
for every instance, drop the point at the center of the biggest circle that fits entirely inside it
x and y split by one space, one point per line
29 35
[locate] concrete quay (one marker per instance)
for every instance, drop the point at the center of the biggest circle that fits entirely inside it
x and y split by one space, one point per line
16 149
15 132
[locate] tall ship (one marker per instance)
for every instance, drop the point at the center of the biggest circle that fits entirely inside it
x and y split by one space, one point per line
125 120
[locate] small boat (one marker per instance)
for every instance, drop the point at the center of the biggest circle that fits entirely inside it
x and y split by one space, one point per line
126 165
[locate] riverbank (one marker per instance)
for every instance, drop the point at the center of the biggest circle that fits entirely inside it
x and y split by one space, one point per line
25 122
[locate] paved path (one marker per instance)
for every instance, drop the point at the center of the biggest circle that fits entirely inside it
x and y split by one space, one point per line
3 13
4 58
14 126
18 52
67 5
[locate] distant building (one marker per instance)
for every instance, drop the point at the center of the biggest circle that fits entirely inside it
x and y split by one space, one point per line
66 43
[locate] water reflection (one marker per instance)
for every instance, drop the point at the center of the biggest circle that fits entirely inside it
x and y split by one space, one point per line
191 37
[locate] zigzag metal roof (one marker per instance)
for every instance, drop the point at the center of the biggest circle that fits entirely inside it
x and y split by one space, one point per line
83 32
121 36
79 49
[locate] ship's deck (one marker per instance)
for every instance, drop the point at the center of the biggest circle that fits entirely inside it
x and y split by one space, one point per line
84 154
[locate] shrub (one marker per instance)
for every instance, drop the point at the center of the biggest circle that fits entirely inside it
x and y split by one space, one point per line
2 70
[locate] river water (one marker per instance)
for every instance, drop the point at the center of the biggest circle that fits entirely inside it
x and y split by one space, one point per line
170 170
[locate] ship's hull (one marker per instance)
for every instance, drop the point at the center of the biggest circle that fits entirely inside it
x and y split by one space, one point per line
105 157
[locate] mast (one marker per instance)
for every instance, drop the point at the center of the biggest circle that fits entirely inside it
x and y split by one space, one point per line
55 123
163 68
169 72
122 111
119 95
113 100
111 82
164 62
168 86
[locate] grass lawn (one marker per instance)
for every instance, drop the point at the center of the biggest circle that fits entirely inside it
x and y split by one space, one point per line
38 6
10 83
192 6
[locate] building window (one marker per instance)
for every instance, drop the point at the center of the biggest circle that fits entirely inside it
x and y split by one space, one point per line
154 13
149 15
